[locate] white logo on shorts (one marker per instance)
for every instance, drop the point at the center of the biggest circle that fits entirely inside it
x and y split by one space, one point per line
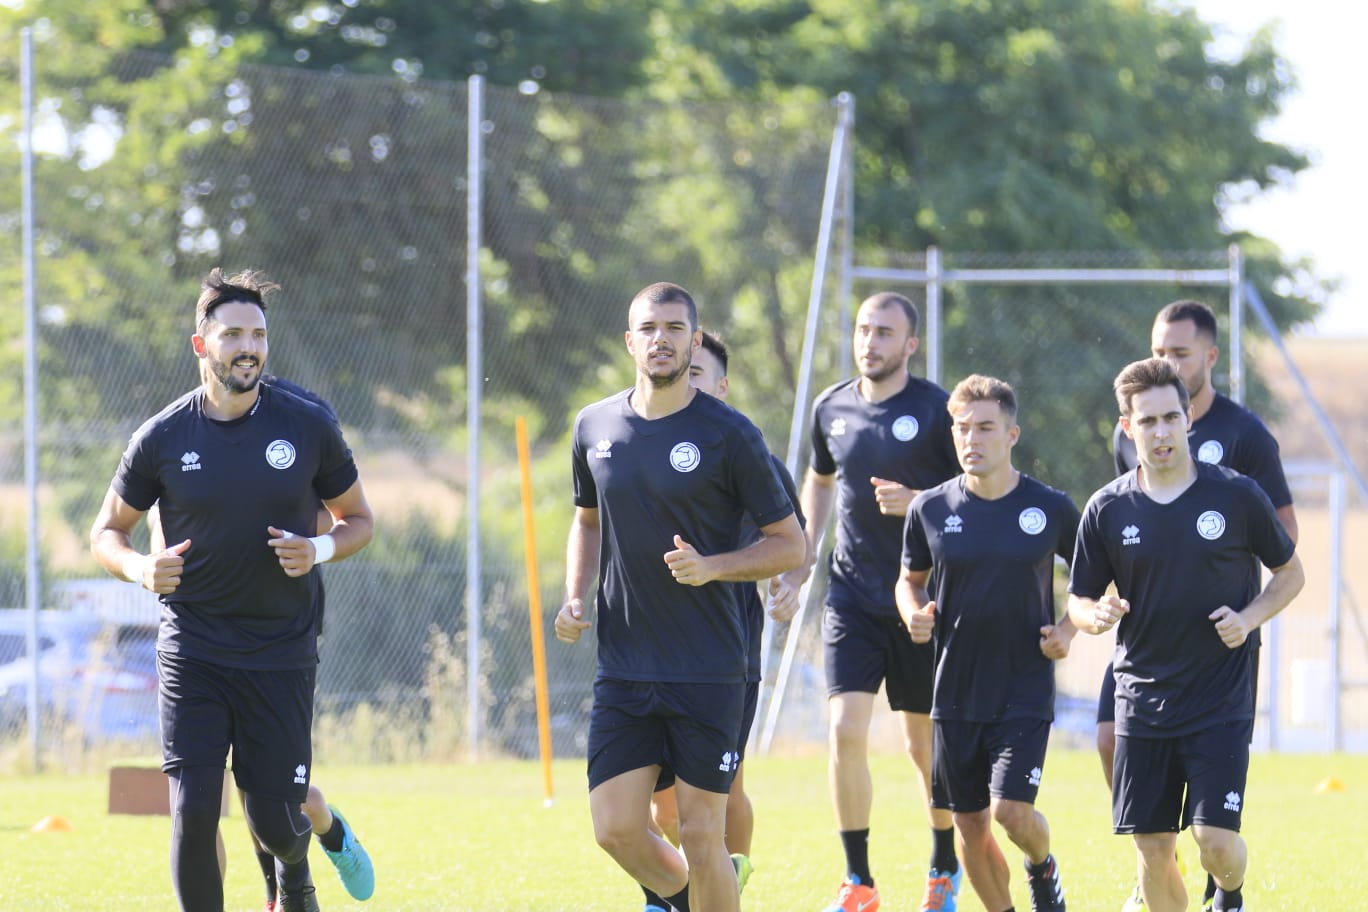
1232 802
1033 777
905 428
280 454
685 457
1211 525
1032 520
729 762
301 774
1211 452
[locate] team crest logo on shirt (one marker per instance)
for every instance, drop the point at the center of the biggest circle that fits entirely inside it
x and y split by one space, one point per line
838 427
953 524
1130 535
905 428
1032 520
1211 452
280 454
685 457
603 449
1211 525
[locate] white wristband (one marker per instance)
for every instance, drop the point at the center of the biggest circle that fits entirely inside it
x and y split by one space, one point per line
325 546
133 565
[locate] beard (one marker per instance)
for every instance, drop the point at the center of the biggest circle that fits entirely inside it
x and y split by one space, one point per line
223 373
660 381
882 371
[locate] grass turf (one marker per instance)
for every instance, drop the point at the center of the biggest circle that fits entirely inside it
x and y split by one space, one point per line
477 837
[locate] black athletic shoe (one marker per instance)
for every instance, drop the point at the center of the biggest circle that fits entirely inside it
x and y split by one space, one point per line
1046 893
298 901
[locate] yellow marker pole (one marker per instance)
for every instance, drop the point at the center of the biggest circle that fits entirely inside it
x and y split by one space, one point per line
535 610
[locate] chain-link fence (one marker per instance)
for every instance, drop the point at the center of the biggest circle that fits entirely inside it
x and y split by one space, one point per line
352 193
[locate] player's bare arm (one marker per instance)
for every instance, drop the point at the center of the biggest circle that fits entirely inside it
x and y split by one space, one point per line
781 549
1097 616
581 568
111 544
353 526
1234 627
1055 639
915 607
816 498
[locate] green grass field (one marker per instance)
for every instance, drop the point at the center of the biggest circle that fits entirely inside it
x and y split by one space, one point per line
477 837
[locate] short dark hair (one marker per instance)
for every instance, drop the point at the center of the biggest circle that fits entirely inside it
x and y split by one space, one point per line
881 299
978 388
1141 376
1201 316
249 287
713 344
669 293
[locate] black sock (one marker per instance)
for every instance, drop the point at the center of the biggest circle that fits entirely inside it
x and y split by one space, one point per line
680 901
943 850
1228 900
332 840
1035 870
1210 891
267 862
655 899
856 844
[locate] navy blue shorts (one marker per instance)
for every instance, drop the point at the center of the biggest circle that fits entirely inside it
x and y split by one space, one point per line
1106 697
977 761
693 730
666 779
266 717
863 649
1164 785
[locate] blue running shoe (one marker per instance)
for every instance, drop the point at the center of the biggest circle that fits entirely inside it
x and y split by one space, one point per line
942 890
655 909
353 865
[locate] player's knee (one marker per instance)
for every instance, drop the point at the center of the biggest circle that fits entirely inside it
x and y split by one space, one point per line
848 737
1013 816
196 799
280 827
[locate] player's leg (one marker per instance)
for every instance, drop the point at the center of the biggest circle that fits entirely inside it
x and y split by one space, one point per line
272 756
855 644
1217 765
702 823
195 725
665 812
910 680
1017 751
1147 804
341 845
626 749
962 765
740 812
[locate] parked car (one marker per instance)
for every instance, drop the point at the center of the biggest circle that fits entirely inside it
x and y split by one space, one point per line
96 674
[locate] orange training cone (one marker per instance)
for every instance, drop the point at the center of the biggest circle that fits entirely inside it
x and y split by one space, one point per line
53 823
1329 785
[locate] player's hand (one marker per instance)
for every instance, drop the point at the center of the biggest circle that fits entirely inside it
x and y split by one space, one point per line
1055 640
922 623
570 621
295 552
1108 612
161 570
687 566
1230 626
783 598
893 498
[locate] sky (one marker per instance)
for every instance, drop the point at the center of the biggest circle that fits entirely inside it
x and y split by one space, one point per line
1321 214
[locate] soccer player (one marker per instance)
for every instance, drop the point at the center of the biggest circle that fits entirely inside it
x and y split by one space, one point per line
340 844
1182 540
663 475
877 439
988 539
237 469
1223 433
708 372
